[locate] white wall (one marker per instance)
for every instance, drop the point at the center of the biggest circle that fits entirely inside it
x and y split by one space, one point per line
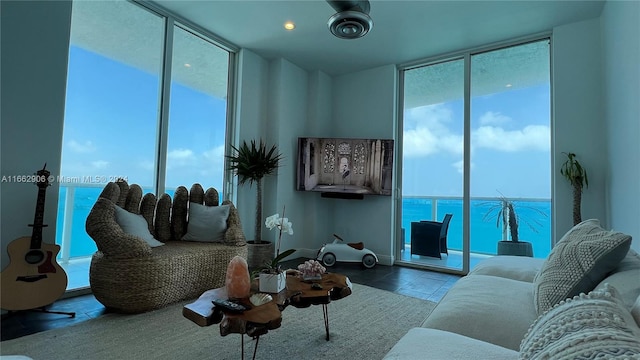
34 76
578 120
280 102
621 58
288 88
364 106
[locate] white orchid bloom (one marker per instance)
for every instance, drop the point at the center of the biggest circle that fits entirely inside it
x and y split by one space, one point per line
272 221
283 224
286 226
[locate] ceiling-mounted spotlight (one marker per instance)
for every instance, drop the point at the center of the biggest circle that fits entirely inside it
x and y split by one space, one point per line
351 21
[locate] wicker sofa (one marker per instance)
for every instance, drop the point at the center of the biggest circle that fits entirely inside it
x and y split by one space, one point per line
129 275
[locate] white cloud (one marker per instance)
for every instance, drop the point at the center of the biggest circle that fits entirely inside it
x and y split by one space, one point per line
531 137
180 157
458 165
494 118
426 132
85 147
180 154
215 155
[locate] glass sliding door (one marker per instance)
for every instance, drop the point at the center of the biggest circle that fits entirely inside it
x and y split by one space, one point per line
432 166
476 138
510 150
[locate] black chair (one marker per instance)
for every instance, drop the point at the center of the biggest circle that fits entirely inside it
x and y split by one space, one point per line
429 238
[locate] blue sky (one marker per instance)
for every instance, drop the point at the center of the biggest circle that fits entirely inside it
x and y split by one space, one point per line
111 125
510 144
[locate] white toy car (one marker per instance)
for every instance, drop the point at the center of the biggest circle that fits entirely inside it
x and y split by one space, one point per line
351 252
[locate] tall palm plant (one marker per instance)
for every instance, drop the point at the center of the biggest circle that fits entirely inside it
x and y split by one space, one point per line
252 163
577 176
504 212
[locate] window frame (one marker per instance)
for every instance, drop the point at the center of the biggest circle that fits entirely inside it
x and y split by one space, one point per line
466 55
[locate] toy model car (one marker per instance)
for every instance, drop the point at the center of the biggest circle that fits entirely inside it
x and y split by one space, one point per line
350 252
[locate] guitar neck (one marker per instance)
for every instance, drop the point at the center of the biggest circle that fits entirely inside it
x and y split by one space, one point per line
38 220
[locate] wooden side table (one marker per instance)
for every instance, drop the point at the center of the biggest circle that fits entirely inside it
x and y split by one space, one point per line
256 321
300 294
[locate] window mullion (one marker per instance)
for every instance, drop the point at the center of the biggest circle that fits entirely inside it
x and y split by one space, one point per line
163 111
466 184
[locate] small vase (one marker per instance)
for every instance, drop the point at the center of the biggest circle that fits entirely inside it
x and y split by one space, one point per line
272 283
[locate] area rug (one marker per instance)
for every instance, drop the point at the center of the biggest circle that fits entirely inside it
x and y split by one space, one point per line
364 325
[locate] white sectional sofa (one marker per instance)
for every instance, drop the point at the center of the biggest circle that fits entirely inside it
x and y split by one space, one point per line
512 307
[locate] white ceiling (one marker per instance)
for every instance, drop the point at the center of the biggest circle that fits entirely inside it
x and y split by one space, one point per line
403 31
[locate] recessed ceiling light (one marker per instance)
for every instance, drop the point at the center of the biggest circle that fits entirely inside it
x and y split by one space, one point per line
508 85
289 25
187 65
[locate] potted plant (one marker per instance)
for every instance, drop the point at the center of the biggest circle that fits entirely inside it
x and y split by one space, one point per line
252 163
506 218
272 278
577 176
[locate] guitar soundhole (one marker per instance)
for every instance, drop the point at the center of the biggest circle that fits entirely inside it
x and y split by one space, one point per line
34 257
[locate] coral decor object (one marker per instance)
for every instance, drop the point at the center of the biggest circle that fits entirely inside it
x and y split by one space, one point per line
311 270
238 282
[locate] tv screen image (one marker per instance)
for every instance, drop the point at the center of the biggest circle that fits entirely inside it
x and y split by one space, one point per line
344 165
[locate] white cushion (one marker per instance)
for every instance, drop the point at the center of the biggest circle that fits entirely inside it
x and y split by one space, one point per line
635 311
510 267
578 262
593 326
206 223
136 225
420 344
626 278
487 308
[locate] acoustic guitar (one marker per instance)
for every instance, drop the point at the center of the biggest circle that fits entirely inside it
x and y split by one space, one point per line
33 278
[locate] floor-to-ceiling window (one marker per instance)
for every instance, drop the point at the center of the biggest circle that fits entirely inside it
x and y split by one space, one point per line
146 101
476 144
432 148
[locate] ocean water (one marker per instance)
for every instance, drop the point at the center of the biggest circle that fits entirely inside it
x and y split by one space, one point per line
484 235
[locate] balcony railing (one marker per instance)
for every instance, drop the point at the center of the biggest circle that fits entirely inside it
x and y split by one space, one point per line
484 234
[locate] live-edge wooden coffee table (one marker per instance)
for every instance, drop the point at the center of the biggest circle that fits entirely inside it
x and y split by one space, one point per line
300 294
258 320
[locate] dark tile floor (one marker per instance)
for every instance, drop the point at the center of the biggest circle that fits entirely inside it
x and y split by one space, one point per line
412 282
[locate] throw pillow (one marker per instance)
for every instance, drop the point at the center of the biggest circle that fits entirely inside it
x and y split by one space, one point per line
206 223
136 225
593 326
578 262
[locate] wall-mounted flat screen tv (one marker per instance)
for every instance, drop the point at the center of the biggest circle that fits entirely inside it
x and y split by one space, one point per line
345 166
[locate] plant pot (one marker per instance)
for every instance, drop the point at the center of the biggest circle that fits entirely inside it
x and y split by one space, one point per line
259 254
272 283
519 248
